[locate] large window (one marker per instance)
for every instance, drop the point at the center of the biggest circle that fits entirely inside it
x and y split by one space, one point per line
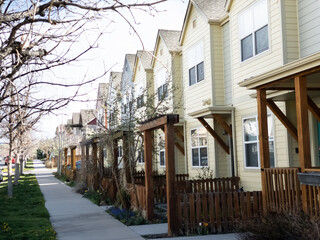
251 142
196 63
199 148
162 84
253 30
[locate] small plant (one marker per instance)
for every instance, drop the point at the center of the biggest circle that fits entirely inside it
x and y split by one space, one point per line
92 196
280 226
64 179
203 228
205 173
122 194
127 217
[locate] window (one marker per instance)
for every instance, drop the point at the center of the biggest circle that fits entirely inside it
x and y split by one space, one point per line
140 101
163 92
162 157
199 150
140 156
120 152
162 84
253 29
196 64
251 142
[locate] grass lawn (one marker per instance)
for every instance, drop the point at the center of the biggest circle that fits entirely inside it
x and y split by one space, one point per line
24 216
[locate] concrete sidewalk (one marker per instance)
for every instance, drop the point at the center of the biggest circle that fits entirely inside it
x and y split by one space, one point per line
74 217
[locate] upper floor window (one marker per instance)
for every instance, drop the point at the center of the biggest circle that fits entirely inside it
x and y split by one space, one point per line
162 158
195 63
251 142
199 148
253 30
162 83
141 156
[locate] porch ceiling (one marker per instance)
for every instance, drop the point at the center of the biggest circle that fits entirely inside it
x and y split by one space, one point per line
282 78
208 111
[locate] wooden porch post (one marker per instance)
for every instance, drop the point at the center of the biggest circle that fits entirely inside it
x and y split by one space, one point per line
303 131
73 158
148 173
170 180
115 157
88 165
263 143
126 156
65 160
95 160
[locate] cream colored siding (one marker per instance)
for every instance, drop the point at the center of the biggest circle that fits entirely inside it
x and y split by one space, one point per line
218 97
227 64
195 94
290 31
309 19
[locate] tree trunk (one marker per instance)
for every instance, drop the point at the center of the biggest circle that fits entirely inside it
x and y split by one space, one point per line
17 171
10 187
21 166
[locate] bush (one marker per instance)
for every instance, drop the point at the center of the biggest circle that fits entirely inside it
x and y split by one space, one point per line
127 217
92 196
280 226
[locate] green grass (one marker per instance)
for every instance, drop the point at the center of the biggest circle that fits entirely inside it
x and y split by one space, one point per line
24 216
65 180
29 165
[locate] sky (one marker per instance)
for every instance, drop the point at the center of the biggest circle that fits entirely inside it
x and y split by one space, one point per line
117 41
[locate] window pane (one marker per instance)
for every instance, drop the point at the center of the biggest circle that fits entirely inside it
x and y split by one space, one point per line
270 127
194 138
162 158
271 153
250 129
246 48
200 71
192 76
261 39
204 156
251 154
160 93
195 157
165 90
202 136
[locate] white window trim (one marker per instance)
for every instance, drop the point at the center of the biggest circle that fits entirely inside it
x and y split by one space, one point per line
253 45
200 166
164 151
257 141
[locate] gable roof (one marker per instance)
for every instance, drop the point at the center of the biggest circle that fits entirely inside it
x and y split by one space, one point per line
102 94
75 118
170 39
145 58
212 10
86 115
115 80
130 58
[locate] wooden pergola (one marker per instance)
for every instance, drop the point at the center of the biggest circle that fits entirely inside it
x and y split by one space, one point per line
167 124
300 81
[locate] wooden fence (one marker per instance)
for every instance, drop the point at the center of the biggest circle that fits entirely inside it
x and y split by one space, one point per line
141 194
217 212
108 187
282 189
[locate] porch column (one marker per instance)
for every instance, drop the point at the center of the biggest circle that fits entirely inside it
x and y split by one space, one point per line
115 157
65 160
148 173
303 131
87 165
126 156
170 180
95 160
263 143
73 158
83 162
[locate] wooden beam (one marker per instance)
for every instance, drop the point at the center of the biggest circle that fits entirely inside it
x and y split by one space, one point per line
223 123
180 148
159 122
283 118
263 129
179 134
214 135
303 123
263 143
148 173
303 132
314 109
170 180
73 158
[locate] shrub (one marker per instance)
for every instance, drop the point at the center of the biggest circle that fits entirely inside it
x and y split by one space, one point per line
127 217
280 226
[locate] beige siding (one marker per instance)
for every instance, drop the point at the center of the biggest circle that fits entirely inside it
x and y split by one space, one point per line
290 31
195 95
